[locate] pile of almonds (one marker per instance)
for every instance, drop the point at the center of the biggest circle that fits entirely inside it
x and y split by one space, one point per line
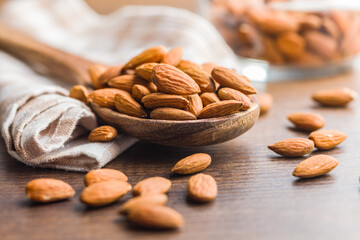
158 84
322 139
147 207
254 29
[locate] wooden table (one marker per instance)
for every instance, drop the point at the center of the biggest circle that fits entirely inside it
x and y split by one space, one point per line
258 197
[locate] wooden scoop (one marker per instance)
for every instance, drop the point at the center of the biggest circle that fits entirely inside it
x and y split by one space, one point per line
64 66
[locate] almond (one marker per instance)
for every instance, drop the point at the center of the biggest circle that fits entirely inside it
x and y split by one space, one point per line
169 79
126 82
307 121
232 94
173 57
278 22
219 109
327 139
154 199
46 190
156 216
126 104
103 193
103 134
192 164
104 97
145 71
102 175
271 51
229 78
195 104
315 166
208 67
203 79
330 27
293 147
150 55
80 93
95 71
208 98
171 114
335 97
156 100
320 43
110 73
152 185
291 44
152 87
202 188
265 102
139 91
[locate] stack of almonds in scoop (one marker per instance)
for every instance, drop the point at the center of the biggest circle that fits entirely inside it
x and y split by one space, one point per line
147 207
160 85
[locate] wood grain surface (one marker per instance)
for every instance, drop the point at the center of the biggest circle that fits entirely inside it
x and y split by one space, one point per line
258 197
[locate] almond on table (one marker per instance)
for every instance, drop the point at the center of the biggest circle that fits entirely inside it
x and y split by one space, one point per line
153 199
315 166
152 185
202 188
307 121
102 175
293 147
327 139
265 102
337 97
192 164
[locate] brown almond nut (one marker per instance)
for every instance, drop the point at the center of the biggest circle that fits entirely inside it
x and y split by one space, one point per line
126 82
321 44
278 22
208 98
315 166
167 113
169 79
265 102
156 216
195 104
202 188
139 91
307 121
110 73
173 57
154 199
327 139
336 97
157 100
248 34
152 185
271 51
44 190
208 67
150 55
192 164
219 109
204 80
126 104
80 93
103 193
104 97
95 72
232 94
291 44
229 78
103 134
102 175
293 147
152 87
145 71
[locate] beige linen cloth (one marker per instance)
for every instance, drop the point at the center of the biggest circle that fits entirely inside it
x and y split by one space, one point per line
41 126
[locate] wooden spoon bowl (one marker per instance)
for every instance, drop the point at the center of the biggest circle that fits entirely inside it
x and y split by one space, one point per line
64 66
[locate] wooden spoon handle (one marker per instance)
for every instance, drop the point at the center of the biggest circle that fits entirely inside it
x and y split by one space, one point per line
44 59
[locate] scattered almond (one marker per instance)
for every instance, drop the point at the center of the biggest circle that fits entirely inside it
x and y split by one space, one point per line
293 147
202 188
156 216
232 94
102 175
139 91
327 139
335 97
152 185
265 102
150 55
166 113
103 134
126 104
208 98
219 109
307 121
44 190
315 166
103 193
192 164
153 199
156 100
173 57
80 93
